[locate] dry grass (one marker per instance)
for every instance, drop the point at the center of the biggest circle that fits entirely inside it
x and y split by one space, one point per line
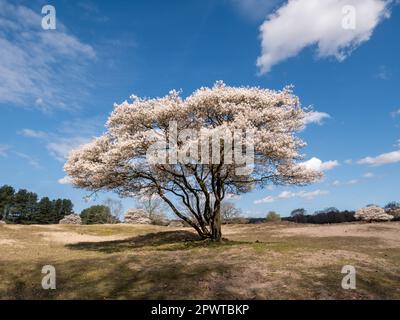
266 261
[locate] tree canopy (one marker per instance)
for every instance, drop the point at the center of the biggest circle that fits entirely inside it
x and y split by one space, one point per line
98 214
194 151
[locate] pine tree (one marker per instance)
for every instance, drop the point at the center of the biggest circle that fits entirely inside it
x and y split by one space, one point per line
57 210
6 201
23 207
61 208
45 212
68 207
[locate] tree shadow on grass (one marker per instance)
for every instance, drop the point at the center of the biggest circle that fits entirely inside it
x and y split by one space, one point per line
147 240
164 276
166 241
174 272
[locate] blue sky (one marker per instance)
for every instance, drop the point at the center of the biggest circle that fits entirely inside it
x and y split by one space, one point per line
57 87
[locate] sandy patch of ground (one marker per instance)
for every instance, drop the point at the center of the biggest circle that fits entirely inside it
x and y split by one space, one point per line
10 244
386 232
322 258
7 242
14 226
73 237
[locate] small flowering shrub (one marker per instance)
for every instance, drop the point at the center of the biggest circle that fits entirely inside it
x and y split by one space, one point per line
372 213
71 219
136 216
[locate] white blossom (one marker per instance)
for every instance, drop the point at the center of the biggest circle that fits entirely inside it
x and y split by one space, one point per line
71 219
372 213
118 160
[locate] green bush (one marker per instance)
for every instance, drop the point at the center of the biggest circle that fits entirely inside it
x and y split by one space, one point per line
272 216
97 215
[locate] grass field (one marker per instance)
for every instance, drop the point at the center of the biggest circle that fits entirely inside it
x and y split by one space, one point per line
265 261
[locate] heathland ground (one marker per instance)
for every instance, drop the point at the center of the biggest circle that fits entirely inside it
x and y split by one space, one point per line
262 261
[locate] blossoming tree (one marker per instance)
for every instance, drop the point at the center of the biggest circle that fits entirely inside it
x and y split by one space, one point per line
373 213
140 153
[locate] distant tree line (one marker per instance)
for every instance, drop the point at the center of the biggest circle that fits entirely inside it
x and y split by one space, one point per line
25 207
328 215
334 215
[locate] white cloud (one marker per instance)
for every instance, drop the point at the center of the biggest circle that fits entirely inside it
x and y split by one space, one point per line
309 195
69 135
4 150
315 117
65 180
369 175
385 158
395 113
232 196
39 68
72 134
302 23
57 145
61 147
40 103
31 160
348 161
32 133
317 165
383 73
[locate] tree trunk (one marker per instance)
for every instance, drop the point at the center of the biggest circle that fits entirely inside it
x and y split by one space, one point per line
216 234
